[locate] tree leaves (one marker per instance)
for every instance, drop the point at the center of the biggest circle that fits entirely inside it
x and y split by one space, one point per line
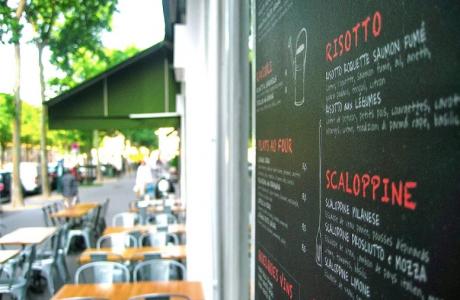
10 27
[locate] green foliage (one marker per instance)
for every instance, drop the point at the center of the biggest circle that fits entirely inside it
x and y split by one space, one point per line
141 137
78 27
86 64
10 27
63 139
30 119
6 118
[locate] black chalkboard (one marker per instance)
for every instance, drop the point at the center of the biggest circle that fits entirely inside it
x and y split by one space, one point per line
358 149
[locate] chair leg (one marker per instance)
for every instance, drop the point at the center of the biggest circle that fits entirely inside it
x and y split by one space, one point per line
20 293
68 243
87 239
63 269
49 279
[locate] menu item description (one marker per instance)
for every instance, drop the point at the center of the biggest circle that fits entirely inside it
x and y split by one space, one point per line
358 149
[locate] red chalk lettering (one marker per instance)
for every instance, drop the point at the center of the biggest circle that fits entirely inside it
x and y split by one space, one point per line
348 188
342 43
328 52
377 24
366 180
384 189
356 185
347 41
408 203
342 182
397 193
375 181
364 25
332 176
385 197
355 31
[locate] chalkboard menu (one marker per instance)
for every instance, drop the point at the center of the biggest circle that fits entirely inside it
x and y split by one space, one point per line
358 149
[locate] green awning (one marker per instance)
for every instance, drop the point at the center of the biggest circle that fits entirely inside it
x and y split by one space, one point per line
142 85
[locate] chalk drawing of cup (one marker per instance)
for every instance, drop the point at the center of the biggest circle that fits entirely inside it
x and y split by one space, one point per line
299 65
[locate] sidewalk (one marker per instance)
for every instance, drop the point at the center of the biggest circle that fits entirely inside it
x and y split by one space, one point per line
119 190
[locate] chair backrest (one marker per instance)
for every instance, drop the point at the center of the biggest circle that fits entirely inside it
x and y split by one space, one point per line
105 208
117 241
95 218
47 211
164 219
159 238
102 272
56 206
160 297
102 223
125 219
159 270
57 240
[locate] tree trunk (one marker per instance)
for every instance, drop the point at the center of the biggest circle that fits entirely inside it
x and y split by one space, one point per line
17 198
43 120
98 163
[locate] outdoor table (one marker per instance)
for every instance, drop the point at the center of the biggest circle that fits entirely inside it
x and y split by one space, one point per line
136 254
123 291
26 236
160 209
173 228
157 202
75 212
6 255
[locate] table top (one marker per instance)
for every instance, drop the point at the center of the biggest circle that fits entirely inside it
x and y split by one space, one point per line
27 236
6 255
173 228
77 211
136 254
159 202
159 209
119 291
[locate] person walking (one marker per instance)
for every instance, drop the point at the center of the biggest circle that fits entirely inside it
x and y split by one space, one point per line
69 189
145 184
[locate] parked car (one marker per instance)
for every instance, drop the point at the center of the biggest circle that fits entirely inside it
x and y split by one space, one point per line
5 186
30 176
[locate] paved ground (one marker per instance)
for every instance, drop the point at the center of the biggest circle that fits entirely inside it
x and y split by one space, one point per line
118 190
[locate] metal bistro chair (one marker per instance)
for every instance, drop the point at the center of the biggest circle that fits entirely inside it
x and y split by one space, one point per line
117 241
159 270
160 297
17 278
87 231
47 211
102 272
163 219
48 262
125 219
103 214
159 238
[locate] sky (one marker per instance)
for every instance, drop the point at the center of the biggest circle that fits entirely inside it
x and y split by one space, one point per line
137 22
